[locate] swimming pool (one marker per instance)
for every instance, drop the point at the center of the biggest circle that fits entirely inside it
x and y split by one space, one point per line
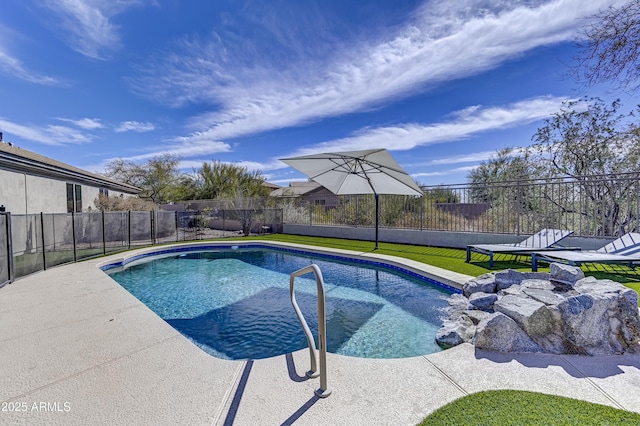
233 302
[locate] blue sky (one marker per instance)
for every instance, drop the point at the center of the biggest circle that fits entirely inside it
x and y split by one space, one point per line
441 84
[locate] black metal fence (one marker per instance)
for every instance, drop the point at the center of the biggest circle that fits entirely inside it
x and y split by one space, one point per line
35 242
591 206
6 259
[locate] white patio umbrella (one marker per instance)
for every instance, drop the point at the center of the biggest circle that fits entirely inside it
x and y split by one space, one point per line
372 171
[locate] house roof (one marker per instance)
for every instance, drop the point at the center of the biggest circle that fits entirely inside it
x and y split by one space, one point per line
270 185
295 189
23 161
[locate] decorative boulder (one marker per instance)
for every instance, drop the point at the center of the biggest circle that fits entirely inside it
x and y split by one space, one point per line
560 312
509 277
483 301
501 334
456 332
457 305
564 276
532 316
483 284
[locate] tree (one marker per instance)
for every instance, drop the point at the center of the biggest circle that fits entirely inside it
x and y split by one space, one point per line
225 180
239 187
441 194
586 137
505 166
155 178
109 204
598 147
185 188
610 50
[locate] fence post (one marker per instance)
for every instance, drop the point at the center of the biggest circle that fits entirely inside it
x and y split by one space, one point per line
104 235
73 235
518 210
10 248
153 229
129 229
175 219
44 257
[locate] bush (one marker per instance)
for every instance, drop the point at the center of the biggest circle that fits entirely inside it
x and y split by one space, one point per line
117 204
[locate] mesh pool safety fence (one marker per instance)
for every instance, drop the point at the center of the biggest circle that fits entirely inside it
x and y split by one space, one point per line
35 242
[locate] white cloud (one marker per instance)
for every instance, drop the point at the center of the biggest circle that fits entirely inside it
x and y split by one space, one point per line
286 182
407 136
473 157
84 123
441 42
11 65
182 150
135 126
456 170
48 135
86 24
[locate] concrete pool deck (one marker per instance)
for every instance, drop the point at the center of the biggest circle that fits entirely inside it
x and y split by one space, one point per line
76 348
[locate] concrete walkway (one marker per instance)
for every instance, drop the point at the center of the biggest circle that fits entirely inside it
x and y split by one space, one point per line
78 349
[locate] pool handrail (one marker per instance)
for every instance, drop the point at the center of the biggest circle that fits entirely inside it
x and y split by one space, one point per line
323 391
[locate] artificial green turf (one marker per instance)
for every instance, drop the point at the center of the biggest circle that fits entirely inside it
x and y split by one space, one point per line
507 407
446 258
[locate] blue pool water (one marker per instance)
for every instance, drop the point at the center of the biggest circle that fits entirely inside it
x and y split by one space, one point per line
235 304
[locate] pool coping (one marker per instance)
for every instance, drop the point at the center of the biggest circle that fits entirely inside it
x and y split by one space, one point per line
71 337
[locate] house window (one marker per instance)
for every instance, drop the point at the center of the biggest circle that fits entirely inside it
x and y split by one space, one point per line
74 198
70 198
104 191
319 202
78 199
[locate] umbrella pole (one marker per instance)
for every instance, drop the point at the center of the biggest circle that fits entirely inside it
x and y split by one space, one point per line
376 248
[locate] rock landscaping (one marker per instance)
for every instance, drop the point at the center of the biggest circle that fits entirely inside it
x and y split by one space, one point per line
556 312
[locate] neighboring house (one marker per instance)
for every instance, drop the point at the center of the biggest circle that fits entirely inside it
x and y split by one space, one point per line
312 192
32 183
271 186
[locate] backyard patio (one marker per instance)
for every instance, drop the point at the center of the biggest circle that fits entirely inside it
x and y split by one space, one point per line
79 349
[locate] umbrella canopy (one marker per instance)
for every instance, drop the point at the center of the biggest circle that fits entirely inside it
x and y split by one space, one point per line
372 171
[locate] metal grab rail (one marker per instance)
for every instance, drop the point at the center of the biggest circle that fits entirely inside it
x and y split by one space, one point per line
323 391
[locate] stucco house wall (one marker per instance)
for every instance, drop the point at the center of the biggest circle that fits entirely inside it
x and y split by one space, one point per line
12 191
44 195
31 183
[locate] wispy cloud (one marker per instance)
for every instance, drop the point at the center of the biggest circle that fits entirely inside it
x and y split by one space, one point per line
11 65
135 126
86 24
473 157
474 121
453 171
441 42
196 149
48 135
84 123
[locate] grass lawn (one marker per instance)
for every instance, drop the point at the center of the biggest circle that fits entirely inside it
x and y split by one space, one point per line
454 259
526 408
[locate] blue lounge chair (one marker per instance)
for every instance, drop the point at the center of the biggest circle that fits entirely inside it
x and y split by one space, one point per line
547 239
625 249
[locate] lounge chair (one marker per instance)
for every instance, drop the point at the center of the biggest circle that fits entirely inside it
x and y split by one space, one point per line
547 239
625 249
